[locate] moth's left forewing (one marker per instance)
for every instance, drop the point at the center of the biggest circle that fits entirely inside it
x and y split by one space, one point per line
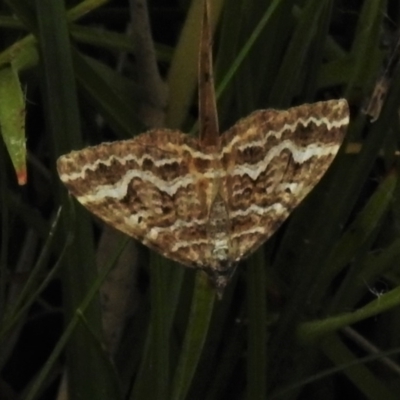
273 159
146 187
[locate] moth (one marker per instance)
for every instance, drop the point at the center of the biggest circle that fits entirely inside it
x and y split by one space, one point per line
211 201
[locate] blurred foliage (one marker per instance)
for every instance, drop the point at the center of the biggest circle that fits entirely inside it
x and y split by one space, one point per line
313 314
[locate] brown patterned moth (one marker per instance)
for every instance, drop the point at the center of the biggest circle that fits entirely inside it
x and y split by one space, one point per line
210 202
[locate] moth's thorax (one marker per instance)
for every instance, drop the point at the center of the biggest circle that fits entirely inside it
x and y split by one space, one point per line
218 228
220 265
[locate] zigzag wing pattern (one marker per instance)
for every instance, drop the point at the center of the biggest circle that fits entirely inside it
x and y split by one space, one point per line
273 159
155 188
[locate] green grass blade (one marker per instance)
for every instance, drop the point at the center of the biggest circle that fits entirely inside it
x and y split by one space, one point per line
361 376
86 367
257 328
356 235
195 337
310 331
69 330
366 46
287 80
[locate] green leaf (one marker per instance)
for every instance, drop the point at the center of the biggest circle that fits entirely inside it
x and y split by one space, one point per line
12 119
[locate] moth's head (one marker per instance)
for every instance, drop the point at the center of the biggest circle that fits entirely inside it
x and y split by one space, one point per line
221 274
